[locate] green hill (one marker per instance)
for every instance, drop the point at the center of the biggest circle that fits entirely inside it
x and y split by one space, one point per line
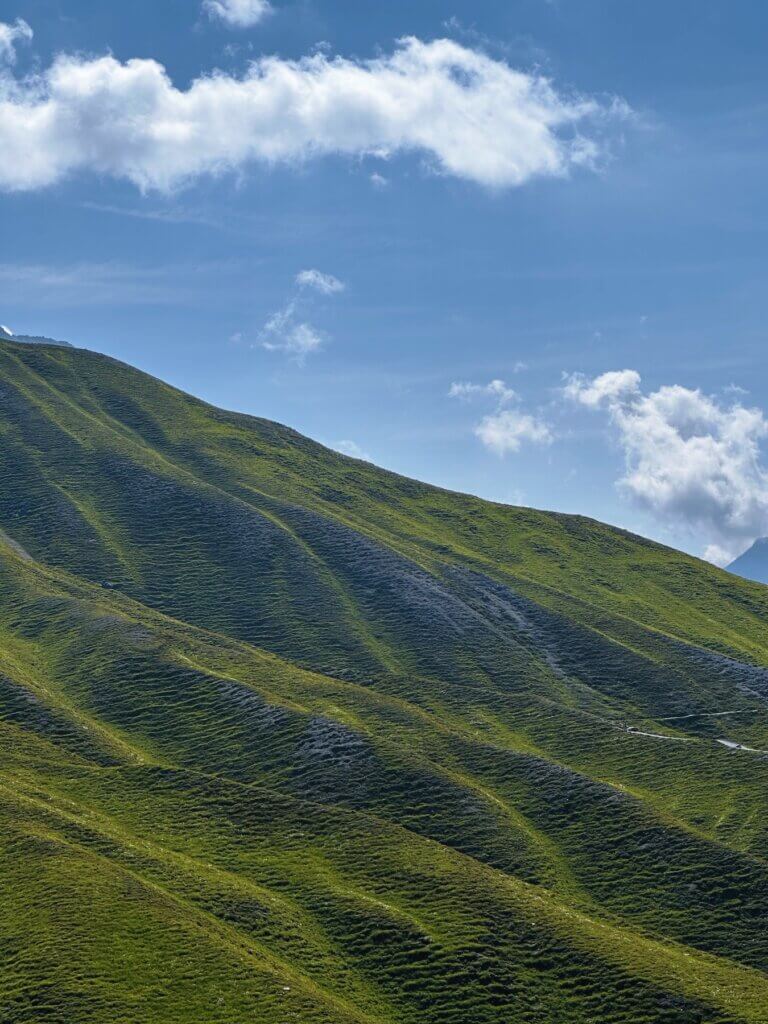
286 737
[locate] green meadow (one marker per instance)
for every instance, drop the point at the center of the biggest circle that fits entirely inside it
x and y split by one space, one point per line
285 737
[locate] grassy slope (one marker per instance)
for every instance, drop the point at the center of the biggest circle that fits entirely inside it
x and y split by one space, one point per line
351 747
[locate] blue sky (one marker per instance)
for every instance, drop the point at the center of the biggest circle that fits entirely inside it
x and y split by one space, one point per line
567 191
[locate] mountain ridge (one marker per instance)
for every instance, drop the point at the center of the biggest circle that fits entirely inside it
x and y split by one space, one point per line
359 748
30 339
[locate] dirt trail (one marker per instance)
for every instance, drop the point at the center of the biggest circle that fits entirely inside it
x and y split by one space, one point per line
658 736
740 746
15 546
710 714
730 744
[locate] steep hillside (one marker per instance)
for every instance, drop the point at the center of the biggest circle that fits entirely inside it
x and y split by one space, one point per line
288 737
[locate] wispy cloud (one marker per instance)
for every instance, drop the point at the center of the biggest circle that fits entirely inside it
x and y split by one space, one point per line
352 449
470 116
10 35
288 330
494 389
95 284
238 13
326 284
282 333
167 216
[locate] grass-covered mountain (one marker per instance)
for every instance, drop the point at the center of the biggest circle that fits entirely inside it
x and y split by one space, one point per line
285 737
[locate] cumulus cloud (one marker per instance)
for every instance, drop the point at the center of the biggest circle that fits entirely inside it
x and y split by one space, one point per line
609 389
288 330
238 13
506 431
690 459
494 389
467 114
10 35
326 284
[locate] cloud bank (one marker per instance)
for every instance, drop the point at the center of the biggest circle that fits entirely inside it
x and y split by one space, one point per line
238 13
466 114
690 459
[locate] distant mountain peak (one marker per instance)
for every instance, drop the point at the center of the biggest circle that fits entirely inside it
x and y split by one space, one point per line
6 334
753 564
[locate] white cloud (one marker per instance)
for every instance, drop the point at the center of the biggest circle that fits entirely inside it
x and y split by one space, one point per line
507 430
19 31
238 13
504 430
281 334
379 181
494 389
469 115
689 459
352 449
326 284
288 330
609 388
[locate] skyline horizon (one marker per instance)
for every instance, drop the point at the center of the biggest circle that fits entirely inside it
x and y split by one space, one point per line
347 449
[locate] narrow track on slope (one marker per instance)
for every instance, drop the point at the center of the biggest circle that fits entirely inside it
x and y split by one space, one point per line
711 714
730 744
